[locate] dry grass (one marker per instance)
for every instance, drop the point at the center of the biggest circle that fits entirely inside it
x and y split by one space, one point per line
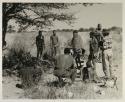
78 89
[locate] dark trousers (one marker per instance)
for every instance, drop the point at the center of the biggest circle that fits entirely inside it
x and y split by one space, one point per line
39 51
55 50
76 55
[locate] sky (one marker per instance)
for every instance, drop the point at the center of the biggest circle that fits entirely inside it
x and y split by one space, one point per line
108 14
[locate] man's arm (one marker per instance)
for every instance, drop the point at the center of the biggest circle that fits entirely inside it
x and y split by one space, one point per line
57 41
43 43
36 41
51 41
94 44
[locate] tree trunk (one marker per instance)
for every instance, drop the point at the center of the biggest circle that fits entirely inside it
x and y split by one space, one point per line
4 30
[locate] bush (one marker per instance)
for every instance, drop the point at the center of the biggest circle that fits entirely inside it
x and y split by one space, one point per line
24 65
17 56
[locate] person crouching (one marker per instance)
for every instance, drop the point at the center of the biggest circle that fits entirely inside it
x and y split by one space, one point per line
64 67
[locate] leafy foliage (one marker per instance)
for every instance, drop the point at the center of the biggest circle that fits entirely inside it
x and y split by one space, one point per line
38 14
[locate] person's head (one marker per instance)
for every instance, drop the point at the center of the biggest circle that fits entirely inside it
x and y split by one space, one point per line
92 32
54 32
75 33
40 33
105 32
99 26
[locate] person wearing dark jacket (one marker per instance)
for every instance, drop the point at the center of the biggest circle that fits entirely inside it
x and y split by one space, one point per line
40 44
92 59
99 36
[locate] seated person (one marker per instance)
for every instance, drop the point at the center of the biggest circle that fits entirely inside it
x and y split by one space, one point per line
64 66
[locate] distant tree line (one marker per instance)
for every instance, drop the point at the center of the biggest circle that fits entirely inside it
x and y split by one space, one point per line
114 28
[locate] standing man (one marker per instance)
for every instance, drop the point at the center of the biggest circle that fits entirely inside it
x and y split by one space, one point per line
99 36
54 43
40 44
107 54
98 33
77 45
92 60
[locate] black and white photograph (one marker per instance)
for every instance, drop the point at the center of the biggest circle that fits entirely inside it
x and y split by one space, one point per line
56 50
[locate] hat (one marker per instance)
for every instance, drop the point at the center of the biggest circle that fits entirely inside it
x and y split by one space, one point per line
40 31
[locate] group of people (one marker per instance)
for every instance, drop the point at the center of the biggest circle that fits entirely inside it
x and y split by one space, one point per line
100 51
40 43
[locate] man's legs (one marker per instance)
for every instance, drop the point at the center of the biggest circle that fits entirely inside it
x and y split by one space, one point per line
110 63
70 74
60 81
41 52
38 52
77 57
99 56
59 74
55 50
90 74
95 76
106 63
89 66
65 74
52 51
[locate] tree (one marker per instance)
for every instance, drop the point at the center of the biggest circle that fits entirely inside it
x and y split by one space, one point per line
81 29
91 28
113 28
38 14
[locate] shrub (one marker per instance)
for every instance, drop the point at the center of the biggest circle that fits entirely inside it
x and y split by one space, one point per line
27 67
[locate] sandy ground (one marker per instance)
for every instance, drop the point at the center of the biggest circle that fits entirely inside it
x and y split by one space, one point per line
10 90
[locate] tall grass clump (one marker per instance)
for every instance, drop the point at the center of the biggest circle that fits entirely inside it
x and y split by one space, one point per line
20 61
17 54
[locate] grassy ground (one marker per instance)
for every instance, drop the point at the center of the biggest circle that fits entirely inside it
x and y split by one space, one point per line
79 89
